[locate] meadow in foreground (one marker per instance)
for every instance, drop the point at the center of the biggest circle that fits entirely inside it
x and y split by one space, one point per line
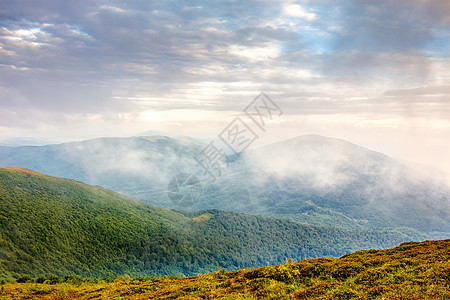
409 271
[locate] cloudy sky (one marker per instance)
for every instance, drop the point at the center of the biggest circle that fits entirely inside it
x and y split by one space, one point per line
373 72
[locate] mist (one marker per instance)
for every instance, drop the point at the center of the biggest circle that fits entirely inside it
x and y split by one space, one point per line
309 179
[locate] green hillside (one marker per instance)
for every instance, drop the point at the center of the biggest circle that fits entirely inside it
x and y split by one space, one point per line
409 271
51 225
309 179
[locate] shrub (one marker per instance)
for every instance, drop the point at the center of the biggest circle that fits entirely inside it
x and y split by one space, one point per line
24 279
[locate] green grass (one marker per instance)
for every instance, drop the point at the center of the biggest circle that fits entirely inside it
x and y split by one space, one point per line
409 271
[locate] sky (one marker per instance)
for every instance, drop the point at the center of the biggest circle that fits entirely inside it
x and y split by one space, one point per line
376 73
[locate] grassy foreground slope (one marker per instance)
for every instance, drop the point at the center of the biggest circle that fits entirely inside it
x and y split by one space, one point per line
409 271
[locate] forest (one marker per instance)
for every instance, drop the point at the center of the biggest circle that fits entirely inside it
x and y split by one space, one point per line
56 226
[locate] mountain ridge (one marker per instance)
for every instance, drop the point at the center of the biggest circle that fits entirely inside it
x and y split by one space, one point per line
309 179
52 225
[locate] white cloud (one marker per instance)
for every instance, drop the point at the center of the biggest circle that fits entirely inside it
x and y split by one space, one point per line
269 51
296 10
114 9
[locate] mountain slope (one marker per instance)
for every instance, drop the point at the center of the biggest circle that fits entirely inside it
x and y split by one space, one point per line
409 271
55 225
309 179
139 167
318 180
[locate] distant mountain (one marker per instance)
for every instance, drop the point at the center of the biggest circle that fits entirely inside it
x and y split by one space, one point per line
51 225
30 141
309 179
139 167
319 180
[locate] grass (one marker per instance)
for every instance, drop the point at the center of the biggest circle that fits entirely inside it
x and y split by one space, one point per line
409 271
203 217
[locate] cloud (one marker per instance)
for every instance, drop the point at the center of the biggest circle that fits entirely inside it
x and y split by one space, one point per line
390 26
269 51
114 9
62 64
296 10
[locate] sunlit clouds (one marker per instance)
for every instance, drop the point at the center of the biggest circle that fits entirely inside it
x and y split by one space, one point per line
373 72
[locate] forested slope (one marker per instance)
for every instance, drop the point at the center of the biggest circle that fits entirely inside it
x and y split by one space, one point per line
51 225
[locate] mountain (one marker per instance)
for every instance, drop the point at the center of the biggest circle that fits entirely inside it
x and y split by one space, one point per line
52 225
319 180
139 167
409 271
24 141
308 179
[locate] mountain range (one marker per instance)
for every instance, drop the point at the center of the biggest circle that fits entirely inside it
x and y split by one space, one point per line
310 179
